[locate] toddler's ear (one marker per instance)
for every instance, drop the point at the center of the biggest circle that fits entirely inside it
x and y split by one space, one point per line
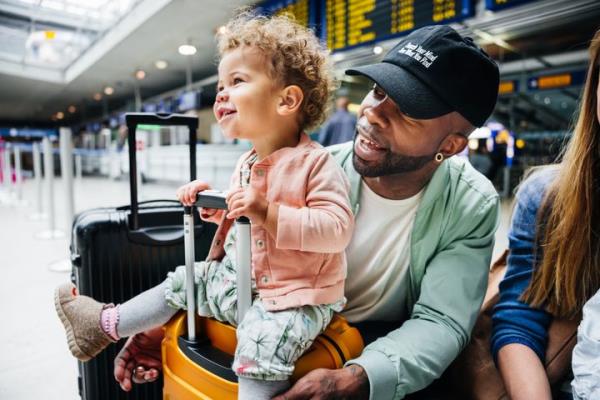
290 100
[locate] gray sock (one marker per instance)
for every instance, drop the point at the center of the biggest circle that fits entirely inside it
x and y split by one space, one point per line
147 310
256 389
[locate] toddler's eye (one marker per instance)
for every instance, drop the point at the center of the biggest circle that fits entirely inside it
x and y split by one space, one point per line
219 89
237 80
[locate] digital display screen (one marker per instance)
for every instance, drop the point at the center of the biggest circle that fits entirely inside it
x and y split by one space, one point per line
188 101
495 5
508 87
556 81
302 10
350 23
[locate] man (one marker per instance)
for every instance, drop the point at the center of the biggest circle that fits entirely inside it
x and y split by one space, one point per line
340 127
425 221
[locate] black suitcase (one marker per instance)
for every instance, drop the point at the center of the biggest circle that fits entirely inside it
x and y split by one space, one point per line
119 252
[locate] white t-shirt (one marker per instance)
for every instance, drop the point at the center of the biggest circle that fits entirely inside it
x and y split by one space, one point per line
378 258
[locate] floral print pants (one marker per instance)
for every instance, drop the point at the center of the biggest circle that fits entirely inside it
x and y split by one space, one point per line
269 342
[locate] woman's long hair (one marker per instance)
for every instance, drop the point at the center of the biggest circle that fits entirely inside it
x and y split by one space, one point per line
568 273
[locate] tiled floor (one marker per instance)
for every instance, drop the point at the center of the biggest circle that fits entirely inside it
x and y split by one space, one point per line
36 363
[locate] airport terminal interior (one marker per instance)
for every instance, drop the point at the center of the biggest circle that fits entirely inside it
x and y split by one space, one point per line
71 70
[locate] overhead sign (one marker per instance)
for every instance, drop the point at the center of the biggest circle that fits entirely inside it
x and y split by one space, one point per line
495 5
508 87
27 133
556 81
349 23
303 11
188 101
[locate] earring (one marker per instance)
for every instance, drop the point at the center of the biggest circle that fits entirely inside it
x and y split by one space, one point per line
439 157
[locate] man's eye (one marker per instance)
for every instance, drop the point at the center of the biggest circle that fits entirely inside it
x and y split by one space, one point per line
378 92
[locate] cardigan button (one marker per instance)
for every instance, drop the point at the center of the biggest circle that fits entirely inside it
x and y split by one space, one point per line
260 244
260 172
264 279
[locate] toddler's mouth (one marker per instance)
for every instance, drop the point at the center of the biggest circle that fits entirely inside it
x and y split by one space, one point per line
223 112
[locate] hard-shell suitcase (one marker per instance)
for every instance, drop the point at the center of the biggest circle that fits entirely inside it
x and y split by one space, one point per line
119 252
197 356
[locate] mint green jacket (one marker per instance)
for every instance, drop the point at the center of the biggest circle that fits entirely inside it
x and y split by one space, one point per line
451 249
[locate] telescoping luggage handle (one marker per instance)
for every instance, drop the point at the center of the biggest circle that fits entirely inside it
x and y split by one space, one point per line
215 199
132 120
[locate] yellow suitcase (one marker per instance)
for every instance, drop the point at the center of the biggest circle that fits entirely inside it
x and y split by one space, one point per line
200 367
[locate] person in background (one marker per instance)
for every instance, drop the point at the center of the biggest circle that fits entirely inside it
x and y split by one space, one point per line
554 260
480 159
340 127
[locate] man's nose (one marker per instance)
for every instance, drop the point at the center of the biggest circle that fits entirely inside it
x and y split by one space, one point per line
376 116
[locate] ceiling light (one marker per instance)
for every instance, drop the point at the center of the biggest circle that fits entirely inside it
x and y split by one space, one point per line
337 57
547 100
72 109
494 39
97 96
108 91
60 115
161 64
473 144
377 50
187 50
140 74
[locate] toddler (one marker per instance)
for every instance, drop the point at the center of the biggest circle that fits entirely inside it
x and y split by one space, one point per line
274 83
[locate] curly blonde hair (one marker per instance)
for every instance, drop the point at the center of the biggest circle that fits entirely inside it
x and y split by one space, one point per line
297 58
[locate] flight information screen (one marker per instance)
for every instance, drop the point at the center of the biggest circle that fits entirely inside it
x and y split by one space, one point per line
344 24
350 23
501 4
301 10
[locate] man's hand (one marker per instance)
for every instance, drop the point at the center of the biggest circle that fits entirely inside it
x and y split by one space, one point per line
249 203
346 383
142 353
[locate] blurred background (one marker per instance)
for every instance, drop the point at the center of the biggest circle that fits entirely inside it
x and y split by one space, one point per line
71 69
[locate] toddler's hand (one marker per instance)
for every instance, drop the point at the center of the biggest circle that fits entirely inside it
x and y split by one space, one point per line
249 203
206 213
186 194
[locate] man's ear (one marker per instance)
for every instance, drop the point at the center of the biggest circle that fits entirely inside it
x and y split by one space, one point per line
453 144
290 100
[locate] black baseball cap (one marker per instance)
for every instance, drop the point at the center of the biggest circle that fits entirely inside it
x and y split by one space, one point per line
434 71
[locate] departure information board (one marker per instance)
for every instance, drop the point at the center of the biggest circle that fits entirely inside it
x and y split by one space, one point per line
495 5
350 23
301 10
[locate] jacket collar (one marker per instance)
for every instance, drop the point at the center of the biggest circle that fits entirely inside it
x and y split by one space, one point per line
276 156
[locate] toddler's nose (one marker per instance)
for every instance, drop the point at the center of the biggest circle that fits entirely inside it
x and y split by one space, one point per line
222 96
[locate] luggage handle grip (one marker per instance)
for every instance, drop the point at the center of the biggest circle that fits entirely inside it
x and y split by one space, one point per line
132 120
211 199
215 199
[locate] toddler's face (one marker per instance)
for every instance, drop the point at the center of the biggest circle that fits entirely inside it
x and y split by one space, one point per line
247 96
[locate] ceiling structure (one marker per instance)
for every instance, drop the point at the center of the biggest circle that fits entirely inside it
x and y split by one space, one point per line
149 31
539 37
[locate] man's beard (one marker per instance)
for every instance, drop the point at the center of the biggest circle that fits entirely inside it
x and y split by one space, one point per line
391 164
